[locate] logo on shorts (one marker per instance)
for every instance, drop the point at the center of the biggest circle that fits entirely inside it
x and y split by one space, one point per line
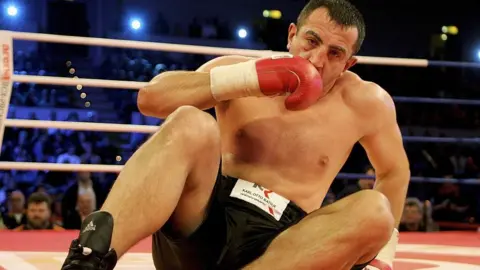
261 197
266 193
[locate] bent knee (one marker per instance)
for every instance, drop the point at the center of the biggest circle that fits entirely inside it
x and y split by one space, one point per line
375 215
193 126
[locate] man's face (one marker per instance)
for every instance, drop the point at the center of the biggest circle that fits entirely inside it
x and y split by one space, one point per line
38 215
85 204
411 214
325 44
367 183
17 201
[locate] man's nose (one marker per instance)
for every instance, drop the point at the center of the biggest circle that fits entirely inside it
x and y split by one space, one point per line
318 60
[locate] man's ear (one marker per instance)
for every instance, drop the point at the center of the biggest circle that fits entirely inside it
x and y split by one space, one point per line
292 31
350 63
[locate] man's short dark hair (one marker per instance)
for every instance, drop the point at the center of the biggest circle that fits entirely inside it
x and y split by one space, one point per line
340 11
39 197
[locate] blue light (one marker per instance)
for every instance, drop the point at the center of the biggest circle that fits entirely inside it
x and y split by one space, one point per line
12 11
478 54
135 24
242 33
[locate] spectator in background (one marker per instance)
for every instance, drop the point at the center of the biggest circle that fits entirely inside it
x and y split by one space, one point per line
85 206
15 215
362 184
7 184
106 150
39 214
450 205
2 225
329 199
89 157
70 156
45 99
83 185
415 218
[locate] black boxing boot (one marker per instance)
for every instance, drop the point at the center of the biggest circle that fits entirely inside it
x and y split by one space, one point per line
91 251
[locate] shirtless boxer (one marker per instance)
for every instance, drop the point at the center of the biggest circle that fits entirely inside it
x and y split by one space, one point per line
244 192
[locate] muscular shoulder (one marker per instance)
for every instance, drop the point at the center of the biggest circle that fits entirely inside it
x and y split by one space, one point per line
368 99
223 61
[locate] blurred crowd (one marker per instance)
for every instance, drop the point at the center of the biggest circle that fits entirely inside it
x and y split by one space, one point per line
60 200
31 94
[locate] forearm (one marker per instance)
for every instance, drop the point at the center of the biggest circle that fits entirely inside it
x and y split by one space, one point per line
171 90
394 186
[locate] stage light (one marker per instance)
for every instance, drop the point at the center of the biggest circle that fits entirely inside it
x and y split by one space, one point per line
275 14
242 33
452 30
12 11
272 14
135 24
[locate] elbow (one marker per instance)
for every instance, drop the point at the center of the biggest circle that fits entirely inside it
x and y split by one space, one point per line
147 104
148 97
144 106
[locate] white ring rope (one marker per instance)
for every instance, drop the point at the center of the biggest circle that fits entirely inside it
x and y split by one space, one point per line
194 49
78 81
80 126
59 167
138 45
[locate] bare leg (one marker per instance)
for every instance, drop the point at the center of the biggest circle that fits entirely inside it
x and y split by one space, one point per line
346 233
182 157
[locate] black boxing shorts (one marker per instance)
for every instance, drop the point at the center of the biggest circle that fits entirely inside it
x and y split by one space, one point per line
241 221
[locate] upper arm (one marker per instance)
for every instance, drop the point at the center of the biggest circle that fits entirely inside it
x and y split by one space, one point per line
223 61
383 143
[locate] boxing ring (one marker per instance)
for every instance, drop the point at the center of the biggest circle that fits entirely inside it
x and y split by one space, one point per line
47 250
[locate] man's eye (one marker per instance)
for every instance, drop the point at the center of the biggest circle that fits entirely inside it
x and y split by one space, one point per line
335 53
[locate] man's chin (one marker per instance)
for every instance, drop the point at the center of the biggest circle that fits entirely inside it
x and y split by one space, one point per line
38 226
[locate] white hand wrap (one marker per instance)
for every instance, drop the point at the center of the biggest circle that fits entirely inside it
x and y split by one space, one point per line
384 259
234 81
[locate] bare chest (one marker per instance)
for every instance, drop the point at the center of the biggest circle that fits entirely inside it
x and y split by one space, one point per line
261 130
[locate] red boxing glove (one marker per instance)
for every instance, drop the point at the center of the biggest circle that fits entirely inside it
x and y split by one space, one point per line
272 76
295 75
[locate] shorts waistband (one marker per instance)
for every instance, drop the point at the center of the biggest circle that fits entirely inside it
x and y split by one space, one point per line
272 204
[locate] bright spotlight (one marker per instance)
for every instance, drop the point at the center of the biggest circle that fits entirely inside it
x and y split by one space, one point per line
136 24
242 33
478 54
12 11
